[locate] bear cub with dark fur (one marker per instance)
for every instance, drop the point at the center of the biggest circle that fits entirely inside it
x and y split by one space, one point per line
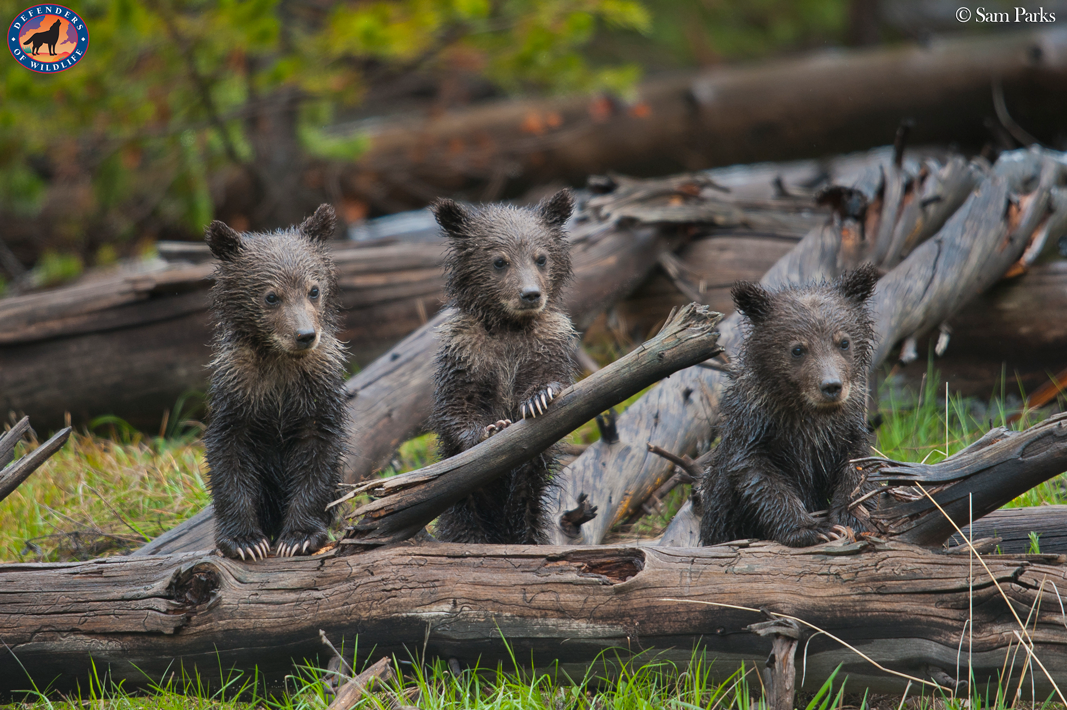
505 353
274 443
793 415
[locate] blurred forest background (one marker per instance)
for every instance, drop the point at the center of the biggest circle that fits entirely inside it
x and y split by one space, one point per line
250 111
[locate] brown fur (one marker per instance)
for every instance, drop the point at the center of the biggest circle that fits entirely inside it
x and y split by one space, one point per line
507 350
274 443
793 415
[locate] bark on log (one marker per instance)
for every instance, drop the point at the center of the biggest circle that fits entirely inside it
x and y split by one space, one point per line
789 108
408 502
138 618
973 249
967 486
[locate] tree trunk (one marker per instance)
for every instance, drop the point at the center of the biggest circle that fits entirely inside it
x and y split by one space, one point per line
781 109
140 618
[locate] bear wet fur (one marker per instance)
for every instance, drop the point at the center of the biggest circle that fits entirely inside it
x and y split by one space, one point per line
277 417
506 351
793 415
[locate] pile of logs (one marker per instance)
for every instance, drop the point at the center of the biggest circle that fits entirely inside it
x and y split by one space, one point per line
942 229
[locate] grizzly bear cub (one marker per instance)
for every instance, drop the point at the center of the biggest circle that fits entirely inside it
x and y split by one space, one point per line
793 415
274 443
505 353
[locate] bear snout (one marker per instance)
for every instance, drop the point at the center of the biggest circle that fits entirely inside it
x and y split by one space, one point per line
306 338
530 294
830 388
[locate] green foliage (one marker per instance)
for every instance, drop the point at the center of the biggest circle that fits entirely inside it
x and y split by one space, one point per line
173 94
54 269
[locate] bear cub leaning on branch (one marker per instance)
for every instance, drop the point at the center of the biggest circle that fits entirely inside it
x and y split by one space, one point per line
793 415
274 443
506 352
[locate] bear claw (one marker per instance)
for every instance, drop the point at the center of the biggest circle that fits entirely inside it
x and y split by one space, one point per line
538 404
497 426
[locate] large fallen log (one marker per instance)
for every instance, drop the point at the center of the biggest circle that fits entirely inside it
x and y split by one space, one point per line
136 619
797 107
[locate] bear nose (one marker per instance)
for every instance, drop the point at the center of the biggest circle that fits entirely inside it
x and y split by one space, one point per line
530 294
304 338
831 388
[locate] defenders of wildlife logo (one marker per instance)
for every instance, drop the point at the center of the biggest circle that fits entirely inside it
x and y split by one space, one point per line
47 38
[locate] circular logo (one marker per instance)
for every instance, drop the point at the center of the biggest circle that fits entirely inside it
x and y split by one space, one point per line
47 38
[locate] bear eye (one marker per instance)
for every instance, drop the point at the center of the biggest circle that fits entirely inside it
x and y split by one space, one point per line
500 263
272 298
542 260
797 351
314 293
844 344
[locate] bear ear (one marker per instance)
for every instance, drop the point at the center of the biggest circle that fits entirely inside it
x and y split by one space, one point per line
223 241
320 226
556 210
857 286
752 300
452 216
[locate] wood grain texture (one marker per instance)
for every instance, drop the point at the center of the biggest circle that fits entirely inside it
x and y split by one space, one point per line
140 617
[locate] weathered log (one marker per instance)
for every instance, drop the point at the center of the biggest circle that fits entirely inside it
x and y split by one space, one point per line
138 618
787 108
968 485
408 502
1012 528
973 249
19 471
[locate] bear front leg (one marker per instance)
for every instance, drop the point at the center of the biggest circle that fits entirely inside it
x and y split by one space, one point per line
768 497
536 403
236 490
314 468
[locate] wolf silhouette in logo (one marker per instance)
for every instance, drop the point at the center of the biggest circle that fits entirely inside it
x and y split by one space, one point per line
49 37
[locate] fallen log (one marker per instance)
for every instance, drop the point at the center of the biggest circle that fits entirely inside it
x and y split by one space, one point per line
406 503
968 485
138 618
1011 528
797 107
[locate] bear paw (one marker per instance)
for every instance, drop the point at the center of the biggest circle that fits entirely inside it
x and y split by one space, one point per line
499 425
245 547
300 543
538 404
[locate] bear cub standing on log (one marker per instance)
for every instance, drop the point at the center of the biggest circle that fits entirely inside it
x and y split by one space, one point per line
506 352
793 415
274 444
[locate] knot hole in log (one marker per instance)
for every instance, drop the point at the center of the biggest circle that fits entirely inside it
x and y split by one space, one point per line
610 567
192 587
